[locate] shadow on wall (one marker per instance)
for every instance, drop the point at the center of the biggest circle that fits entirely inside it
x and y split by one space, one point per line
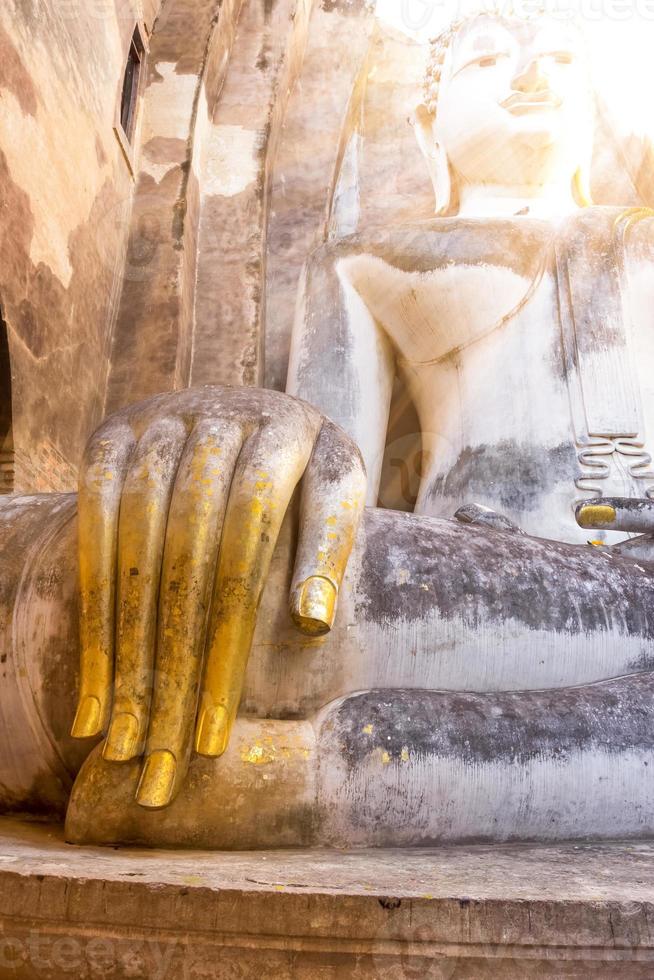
6 434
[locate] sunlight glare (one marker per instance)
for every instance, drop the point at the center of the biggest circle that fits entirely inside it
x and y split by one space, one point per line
620 41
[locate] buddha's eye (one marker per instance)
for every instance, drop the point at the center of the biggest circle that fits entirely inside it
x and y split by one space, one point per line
488 61
563 57
483 61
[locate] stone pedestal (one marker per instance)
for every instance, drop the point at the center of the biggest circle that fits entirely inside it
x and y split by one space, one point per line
462 912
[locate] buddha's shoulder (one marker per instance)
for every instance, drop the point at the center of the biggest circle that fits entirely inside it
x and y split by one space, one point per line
461 239
627 229
518 243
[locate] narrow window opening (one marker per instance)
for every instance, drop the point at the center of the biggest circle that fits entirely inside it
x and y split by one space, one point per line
6 416
131 79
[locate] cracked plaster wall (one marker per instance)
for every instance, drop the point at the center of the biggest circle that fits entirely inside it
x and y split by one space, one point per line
65 187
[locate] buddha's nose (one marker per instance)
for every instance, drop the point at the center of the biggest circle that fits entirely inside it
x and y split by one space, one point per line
531 77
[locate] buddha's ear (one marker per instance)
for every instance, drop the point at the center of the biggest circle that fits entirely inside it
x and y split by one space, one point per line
581 187
424 124
581 177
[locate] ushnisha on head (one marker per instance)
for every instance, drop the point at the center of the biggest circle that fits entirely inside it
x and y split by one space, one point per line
507 113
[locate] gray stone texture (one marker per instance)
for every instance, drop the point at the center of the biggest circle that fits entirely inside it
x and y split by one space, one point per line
461 913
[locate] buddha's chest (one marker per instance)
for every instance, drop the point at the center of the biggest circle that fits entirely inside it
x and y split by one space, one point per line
431 315
533 391
507 382
495 412
533 416
562 346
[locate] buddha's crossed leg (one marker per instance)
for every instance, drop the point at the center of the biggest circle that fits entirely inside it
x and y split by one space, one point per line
477 683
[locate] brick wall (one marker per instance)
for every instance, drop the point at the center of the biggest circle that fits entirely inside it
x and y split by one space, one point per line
6 471
43 470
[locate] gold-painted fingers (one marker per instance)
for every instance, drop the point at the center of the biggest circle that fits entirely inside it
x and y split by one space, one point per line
333 498
102 474
596 515
143 514
193 534
271 465
634 515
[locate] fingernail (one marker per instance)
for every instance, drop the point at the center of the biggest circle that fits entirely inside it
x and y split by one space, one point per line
155 788
123 740
87 719
596 515
213 731
315 606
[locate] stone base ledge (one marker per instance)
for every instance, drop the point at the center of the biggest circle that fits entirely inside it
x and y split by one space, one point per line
461 913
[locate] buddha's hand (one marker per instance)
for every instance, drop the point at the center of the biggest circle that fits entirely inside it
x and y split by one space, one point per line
181 501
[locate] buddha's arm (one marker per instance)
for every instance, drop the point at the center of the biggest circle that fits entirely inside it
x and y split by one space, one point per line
634 234
341 360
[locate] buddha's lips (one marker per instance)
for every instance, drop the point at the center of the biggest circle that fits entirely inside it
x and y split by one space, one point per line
519 102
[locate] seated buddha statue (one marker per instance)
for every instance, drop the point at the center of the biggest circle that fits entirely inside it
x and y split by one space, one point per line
477 669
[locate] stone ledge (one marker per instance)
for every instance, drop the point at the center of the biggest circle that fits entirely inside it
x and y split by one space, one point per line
460 912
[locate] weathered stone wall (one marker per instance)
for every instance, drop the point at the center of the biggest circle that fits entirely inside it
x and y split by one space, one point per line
239 153
154 333
221 77
306 162
6 433
65 187
125 278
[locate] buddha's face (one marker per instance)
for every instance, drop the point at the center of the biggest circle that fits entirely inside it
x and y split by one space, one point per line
515 104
